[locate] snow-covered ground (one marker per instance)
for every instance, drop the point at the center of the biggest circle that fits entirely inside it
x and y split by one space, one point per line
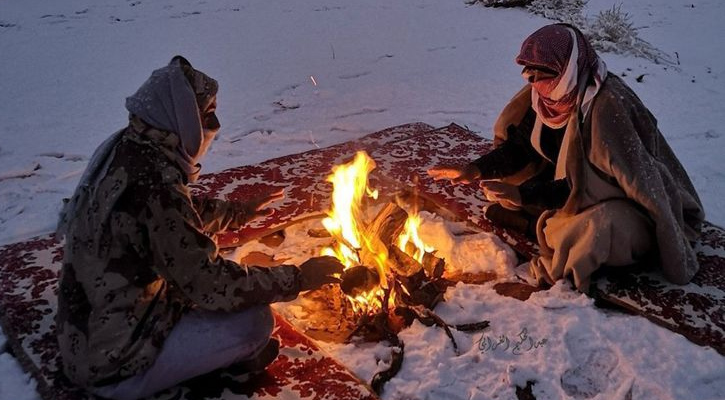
295 75
557 339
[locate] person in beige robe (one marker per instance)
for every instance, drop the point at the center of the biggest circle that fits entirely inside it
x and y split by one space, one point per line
615 193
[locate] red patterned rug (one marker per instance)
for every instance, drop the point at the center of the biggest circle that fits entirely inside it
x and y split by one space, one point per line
28 272
695 310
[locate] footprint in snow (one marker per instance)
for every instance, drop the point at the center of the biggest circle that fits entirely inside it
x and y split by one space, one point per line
285 105
441 48
61 156
353 76
592 376
224 10
115 20
384 56
454 112
55 19
326 8
288 88
364 111
186 14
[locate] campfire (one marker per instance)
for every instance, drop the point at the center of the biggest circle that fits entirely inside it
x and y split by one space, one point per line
382 257
391 277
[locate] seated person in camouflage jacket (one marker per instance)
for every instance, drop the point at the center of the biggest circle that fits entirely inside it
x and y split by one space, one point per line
145 300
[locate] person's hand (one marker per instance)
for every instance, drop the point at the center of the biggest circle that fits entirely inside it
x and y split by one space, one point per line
505 194
318 271
455 173
257 207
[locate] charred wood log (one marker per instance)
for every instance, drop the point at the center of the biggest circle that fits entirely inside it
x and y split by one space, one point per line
358 280
517 290
428 295
415 287
403 264
478 278
472 327
388 223
383 229
433 266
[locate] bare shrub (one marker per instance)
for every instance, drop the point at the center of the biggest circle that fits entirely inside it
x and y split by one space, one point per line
499 3
609 31
613 31
569 11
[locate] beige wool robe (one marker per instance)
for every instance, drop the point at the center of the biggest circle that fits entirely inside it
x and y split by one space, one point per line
629 193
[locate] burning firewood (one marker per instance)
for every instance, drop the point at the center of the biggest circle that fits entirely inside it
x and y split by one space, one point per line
359 279
407 288
418 286
382 231
428 295
403 264
387 224
434 267
388 266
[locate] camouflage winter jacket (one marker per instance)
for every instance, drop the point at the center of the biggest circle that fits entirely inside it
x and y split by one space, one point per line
139 254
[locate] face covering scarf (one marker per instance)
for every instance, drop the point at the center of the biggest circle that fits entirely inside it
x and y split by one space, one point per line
579 72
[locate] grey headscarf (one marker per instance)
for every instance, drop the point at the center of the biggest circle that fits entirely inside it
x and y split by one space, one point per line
170 100
167 101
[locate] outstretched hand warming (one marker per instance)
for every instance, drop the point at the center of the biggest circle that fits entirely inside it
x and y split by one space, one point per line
455 173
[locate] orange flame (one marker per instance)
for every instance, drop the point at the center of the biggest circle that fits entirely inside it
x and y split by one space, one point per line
345 219
410 235
346 225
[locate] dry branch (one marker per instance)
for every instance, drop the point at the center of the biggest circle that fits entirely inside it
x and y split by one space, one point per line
382 323
382 377
472 327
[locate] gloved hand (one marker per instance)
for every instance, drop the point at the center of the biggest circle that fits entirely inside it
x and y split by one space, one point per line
256 207
318 271
455 173
505 194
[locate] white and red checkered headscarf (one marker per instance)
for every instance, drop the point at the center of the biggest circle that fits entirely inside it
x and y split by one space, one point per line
564 50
